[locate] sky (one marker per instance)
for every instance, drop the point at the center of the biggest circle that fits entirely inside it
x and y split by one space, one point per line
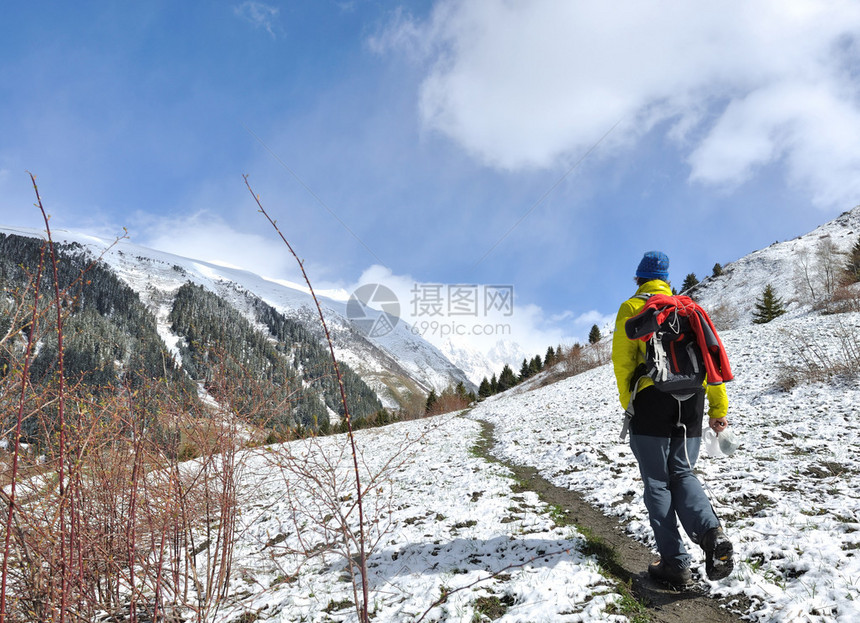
540 145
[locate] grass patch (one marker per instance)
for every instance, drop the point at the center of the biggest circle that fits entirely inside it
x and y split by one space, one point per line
492 607
629 606
334 606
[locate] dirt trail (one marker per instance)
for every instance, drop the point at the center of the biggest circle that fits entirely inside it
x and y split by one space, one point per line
626 558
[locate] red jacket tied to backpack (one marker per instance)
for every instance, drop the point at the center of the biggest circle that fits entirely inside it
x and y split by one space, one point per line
659 307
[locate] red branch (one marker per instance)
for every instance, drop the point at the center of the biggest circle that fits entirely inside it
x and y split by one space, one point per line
363 612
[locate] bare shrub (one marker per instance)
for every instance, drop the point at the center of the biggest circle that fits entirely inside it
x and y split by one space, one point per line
818 277
102 518
125 503
724 316
449 401
578 359
141 530
357 569
814 362
846 298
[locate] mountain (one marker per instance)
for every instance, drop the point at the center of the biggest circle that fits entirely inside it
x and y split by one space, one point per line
800 272
479 365
398 366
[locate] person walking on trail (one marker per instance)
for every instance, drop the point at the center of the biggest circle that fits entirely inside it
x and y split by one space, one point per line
665 436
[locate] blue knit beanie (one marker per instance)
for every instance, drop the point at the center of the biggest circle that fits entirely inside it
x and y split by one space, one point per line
654 265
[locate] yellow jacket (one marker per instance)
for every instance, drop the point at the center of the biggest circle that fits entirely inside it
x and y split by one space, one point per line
627 353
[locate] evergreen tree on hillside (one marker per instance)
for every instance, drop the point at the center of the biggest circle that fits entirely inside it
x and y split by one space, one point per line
507 378
549 359
313 360
768 307
494 384
717 271
852 267
535 365
484 390
432 398
525 371
221 345
594 335
110 337
461 392
690 281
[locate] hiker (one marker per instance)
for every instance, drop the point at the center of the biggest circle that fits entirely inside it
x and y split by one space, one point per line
659 427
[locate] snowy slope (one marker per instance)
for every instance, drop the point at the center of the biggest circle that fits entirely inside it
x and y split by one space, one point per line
780 265
788 499
393 364
447 520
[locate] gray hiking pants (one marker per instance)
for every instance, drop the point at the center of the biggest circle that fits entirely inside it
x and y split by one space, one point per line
673 493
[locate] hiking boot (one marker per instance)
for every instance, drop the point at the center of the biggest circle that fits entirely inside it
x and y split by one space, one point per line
718 554
670 574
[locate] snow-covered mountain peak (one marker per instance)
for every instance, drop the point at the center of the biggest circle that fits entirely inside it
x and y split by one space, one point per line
394 365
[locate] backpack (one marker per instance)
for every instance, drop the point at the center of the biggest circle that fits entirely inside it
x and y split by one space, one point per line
673 357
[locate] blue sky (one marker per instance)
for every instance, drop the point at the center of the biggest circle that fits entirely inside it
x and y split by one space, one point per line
544 145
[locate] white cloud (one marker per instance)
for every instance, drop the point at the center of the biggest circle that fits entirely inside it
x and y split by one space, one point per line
815 132
204 236
526 325
259 14
741 84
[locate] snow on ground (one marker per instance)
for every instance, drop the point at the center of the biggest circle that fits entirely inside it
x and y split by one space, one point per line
447 520
788 498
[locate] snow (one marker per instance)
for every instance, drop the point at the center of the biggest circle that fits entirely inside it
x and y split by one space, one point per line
444 519
788 499
448 520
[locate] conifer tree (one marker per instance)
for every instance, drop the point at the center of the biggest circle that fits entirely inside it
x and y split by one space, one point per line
494 384
535 365
484 389
461 392
690 281
525 372
507 378
549 359
594 335
432 398
768 306
717 271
